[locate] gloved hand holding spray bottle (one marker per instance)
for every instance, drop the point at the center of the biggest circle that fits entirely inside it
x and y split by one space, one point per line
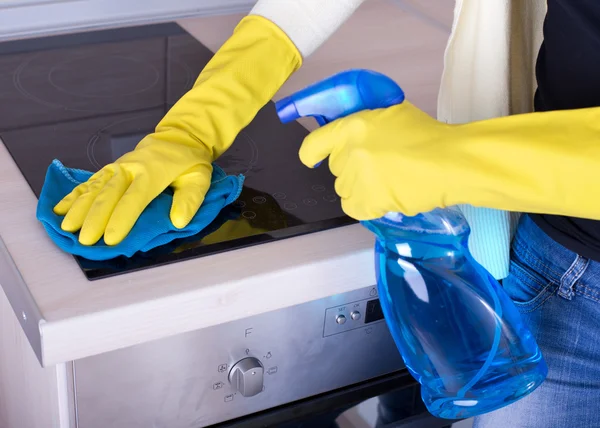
458 332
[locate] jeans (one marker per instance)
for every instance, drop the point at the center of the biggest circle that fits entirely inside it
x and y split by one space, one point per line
558 295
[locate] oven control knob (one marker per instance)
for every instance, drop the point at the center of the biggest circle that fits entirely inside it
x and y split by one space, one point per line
246 376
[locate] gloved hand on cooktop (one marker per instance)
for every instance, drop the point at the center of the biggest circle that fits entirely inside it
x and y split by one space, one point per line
152 229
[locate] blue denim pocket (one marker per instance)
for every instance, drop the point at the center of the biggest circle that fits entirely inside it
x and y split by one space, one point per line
525 285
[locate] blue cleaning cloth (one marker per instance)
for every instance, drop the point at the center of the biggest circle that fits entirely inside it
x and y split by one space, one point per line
153 228
490 238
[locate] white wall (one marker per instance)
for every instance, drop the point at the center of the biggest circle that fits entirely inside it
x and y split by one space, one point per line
27 18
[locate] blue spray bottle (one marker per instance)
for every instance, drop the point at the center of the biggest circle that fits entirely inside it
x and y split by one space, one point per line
458 332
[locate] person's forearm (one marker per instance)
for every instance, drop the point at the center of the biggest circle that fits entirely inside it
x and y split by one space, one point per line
308 23
250 67
237 82
538 162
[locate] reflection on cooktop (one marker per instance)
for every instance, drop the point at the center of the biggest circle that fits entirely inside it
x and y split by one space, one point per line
89 98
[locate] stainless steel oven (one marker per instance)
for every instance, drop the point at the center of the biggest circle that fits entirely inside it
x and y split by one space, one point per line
281 365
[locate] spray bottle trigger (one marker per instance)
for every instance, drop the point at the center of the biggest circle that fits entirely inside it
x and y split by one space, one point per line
321 120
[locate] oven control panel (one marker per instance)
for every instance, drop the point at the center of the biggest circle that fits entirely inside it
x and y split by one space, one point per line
231 370
353 315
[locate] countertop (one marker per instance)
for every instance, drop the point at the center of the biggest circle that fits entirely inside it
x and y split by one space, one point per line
76 318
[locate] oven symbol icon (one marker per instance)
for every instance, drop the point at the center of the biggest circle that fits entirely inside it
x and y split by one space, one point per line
222 368
218 385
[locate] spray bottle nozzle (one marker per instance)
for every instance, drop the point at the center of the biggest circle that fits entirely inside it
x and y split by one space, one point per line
341 95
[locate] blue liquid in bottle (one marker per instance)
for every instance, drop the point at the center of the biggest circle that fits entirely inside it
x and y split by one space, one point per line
458 332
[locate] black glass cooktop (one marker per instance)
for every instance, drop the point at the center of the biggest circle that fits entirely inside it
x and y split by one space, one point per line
88 98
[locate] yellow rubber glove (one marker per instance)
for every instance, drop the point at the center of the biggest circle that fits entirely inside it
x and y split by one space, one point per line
238 81
400 159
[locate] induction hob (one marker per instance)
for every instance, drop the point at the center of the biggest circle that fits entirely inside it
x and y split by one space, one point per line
88 98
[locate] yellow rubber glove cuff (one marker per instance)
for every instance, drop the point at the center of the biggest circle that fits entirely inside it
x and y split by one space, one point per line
400 159
546 163
238 81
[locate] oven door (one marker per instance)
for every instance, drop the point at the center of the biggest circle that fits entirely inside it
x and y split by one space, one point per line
400 406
